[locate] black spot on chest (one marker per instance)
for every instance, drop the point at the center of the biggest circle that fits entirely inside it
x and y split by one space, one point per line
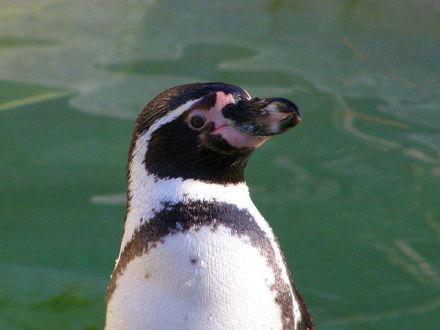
178 218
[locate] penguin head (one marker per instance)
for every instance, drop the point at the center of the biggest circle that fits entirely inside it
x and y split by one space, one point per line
207 131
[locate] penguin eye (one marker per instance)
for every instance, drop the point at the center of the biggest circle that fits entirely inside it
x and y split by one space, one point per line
197 121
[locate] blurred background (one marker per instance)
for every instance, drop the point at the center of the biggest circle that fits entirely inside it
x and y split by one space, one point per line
353 192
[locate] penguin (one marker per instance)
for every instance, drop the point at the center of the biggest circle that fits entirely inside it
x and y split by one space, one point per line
196 253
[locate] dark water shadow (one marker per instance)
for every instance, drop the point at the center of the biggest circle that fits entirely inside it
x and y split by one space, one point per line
202 61
11 42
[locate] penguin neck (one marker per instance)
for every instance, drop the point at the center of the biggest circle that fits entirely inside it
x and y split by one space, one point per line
147 195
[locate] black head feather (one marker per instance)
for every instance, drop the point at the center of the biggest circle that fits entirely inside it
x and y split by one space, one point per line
175 150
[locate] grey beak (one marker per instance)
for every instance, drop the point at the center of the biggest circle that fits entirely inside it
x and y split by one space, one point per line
263 117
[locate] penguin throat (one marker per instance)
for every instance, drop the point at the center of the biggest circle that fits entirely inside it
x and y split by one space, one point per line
149 195
221 169
148 192
174 151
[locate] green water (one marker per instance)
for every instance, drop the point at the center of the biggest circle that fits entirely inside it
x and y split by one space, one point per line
353 192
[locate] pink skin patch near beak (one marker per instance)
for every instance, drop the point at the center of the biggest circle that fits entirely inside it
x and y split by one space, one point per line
225 127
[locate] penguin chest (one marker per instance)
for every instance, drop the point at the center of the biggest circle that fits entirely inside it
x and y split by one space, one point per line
205 278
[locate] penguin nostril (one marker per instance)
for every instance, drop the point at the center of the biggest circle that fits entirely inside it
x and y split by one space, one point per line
228 111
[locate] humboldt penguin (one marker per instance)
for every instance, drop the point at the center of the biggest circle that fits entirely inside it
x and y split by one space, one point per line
196 253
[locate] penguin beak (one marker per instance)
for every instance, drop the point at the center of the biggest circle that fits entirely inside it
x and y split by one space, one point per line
263 117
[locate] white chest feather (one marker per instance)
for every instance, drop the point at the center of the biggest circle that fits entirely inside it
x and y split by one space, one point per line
200 279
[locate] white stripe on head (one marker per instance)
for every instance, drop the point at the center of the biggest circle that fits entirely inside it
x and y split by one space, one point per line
247 93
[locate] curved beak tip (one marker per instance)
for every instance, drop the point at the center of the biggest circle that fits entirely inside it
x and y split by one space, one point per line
289 111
